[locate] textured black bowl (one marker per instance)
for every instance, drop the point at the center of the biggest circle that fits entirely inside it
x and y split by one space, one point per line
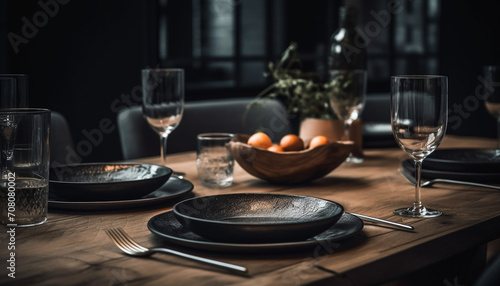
104 181
257 218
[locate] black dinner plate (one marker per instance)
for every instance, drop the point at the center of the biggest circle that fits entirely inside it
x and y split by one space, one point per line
106 181
166 226
464 160
257 217
173 188
461 176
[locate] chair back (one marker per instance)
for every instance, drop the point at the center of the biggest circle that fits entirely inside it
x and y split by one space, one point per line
62 148
218 115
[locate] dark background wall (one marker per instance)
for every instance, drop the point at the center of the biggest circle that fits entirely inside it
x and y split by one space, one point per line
89 55
86 56
469 40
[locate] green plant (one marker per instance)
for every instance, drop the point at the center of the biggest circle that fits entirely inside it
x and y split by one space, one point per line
303 93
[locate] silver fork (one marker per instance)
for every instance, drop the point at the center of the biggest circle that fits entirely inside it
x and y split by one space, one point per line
130 247
429 183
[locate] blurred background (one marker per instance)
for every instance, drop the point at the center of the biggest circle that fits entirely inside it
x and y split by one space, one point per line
84 58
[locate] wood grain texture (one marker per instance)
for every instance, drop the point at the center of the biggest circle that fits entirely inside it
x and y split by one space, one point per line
73 249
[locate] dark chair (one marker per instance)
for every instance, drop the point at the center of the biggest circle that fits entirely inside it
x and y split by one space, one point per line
61 141
376 117
491 275
218 115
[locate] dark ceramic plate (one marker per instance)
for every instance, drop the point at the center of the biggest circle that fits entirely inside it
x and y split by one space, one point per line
104 181
257 218
173 188
464 160
451 175
166 226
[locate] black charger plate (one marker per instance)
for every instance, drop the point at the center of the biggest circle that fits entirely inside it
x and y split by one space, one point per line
173 188
166 226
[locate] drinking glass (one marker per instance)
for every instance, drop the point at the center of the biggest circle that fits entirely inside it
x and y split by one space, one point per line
24 185
419 116
214 160
492 100
163 102
347 98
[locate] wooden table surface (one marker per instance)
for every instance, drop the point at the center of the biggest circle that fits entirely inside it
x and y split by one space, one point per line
72 248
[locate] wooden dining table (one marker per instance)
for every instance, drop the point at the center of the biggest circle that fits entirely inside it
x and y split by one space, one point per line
72 247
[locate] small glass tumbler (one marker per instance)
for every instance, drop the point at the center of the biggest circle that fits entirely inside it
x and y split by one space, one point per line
24 178
214 160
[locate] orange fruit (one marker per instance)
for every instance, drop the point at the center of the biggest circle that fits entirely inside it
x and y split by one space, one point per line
292 142
275 148
318 141
261 140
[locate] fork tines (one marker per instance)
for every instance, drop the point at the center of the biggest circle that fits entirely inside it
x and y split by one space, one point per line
124 242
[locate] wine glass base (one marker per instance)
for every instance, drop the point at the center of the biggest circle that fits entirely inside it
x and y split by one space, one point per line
421 212
353 159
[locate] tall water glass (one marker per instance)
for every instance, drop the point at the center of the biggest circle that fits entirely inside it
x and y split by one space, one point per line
163 102
24 182
419 116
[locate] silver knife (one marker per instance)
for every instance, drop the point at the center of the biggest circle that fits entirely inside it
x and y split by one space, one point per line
383 221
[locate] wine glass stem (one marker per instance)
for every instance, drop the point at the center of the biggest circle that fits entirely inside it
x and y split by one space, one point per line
163 150
418 171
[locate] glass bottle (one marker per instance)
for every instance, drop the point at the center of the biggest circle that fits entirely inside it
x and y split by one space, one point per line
347 47
347 60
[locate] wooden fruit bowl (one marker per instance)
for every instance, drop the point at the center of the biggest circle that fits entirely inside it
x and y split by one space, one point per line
289 167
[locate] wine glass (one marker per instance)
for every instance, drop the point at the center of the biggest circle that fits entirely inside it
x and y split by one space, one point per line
492 101
347 98
419 116
163 102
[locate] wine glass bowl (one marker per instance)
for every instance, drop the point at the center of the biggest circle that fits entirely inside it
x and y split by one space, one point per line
492 96
163 119
163 102
347 98
419 116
